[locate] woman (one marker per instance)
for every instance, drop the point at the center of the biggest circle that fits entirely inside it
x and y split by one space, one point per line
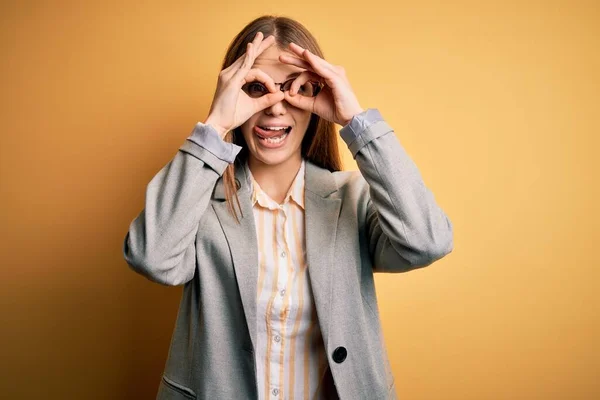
275 246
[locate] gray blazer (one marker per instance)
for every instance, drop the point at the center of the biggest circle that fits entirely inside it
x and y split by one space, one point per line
381 219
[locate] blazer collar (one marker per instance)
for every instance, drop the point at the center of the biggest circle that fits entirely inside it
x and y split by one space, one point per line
242 180
317 180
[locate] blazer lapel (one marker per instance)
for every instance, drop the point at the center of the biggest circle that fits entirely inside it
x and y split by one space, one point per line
242 244
321 219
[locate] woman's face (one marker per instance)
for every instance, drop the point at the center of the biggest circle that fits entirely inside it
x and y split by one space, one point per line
267 144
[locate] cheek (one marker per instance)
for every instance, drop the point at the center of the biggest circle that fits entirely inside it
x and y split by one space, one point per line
246 129
303 118
251 121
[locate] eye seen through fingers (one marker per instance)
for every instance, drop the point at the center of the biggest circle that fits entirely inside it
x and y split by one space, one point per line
257 89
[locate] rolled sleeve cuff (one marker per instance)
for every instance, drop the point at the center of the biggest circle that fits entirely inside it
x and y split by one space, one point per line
359 123
205 136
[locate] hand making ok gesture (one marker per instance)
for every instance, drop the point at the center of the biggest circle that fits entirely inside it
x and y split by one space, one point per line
336 102
231 107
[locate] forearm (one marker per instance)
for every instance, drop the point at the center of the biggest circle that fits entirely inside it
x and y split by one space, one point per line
407 212
160 241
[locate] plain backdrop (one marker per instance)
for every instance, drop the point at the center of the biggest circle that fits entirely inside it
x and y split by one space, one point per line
496 101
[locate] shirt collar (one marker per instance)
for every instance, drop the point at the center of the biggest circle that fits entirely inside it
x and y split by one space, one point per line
295 192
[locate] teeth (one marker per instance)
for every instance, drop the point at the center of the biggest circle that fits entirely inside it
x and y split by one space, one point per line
276 139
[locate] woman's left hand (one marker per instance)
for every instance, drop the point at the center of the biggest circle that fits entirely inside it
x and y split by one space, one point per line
336 102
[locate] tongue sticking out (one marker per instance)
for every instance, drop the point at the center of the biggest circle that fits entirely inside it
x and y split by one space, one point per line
271 133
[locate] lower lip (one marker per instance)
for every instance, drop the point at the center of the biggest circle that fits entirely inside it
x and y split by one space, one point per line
269 145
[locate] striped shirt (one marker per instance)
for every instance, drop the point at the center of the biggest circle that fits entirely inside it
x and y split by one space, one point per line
290 355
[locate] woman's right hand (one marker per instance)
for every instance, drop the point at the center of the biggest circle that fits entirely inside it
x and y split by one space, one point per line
231 106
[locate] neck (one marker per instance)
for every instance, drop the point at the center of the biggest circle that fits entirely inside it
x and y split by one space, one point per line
275 180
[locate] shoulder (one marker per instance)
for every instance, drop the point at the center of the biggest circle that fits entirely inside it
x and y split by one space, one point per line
345 179
351 185
339 184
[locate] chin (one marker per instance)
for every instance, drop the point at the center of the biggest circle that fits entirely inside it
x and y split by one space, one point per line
272 159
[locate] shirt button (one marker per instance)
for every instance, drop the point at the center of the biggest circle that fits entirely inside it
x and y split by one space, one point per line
283 254
277 338
275 392
282 292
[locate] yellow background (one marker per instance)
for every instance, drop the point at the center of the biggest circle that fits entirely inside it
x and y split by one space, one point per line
496 102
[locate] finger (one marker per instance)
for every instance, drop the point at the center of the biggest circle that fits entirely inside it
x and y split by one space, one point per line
255 45
266 43
230 71
319 65
248 60
302 52
302 102
237 64
253 50
249 56
233 68
302 79
257 38
268 100
256 74
289 59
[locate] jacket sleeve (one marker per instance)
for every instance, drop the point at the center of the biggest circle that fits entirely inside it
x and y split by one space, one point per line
406 229
160 243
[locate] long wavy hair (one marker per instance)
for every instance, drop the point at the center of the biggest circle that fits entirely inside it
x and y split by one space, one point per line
320 145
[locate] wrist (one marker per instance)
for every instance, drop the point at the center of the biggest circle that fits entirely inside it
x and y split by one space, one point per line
352 115
220 130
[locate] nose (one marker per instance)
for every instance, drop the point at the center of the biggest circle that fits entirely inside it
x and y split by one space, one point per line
279 108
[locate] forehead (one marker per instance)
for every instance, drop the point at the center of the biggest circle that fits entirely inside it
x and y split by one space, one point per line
268 61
